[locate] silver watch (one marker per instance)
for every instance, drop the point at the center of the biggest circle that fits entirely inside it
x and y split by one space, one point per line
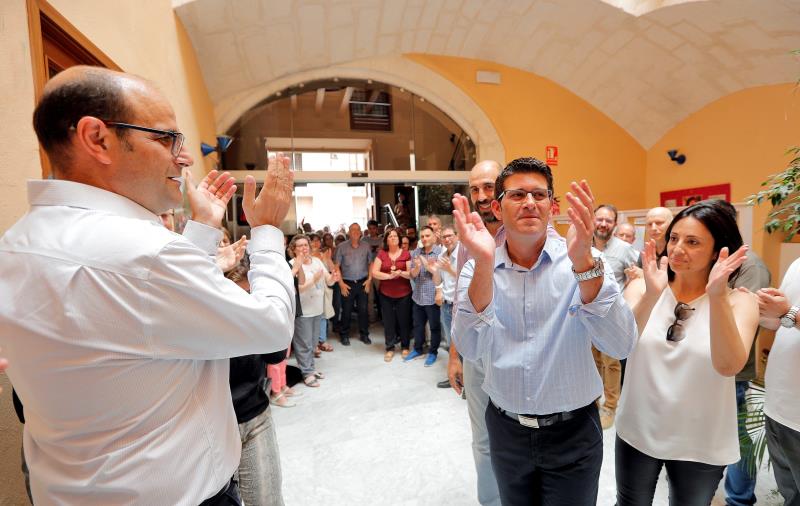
595 272
789 320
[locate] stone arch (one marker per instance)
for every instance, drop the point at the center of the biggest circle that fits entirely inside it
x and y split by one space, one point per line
395 70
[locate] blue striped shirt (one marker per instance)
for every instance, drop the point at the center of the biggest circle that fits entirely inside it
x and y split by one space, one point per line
535 337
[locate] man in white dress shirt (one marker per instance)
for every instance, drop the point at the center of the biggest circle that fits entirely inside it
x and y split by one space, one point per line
118 330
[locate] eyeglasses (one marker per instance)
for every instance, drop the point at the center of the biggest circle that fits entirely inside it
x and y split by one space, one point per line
519 195
675 332
177 137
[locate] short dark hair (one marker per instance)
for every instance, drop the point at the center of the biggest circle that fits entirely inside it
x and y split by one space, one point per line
610 207
372 222
96 93
386 238
717 218
426 227
528 165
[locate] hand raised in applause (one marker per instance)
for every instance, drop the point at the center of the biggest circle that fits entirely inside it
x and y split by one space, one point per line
722 269
229 256
471 230
581 234
272 202
209 200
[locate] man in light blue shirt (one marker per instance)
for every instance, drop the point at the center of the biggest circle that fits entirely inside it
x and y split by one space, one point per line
530 310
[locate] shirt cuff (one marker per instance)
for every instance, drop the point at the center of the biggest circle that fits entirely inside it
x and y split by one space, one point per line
476 319
265 238
204 237
601 304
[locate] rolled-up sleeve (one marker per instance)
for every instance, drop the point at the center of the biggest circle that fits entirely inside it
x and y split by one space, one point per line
608 319
472 330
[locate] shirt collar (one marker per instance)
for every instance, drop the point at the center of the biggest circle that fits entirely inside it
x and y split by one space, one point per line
52 192
551 250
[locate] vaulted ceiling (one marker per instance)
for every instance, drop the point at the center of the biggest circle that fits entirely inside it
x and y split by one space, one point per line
647 64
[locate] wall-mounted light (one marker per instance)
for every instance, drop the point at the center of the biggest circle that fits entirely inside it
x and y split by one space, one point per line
676 157
223 143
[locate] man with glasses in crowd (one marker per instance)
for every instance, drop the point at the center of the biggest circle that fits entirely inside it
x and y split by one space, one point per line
529 309
121 330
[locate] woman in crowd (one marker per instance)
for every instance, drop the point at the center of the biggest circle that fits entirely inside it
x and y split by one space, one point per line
405 243
324 254
391 267
306 328
678 403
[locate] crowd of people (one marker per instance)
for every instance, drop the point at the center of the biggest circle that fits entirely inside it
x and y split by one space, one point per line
144 362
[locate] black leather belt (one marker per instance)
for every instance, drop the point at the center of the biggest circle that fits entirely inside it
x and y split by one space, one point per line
539 421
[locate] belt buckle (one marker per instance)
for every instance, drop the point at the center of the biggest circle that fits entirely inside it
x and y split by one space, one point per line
528 421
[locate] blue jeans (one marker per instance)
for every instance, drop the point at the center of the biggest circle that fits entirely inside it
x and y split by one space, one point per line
259 472
447 321
739 485
431 316
323 329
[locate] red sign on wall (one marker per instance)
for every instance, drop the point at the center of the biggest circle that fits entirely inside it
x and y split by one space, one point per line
689 196
551 155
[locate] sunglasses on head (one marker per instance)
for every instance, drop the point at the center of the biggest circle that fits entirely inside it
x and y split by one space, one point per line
676 332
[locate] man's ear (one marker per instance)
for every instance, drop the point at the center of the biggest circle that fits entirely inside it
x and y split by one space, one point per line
93 138
497 210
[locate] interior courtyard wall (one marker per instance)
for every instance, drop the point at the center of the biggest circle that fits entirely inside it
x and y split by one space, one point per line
530 112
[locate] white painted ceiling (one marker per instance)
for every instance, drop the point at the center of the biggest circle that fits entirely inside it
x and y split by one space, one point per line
646 64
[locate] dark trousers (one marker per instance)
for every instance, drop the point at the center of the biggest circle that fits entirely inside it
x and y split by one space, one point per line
336 302
358 297
784 451
396 313
554 465
740 487
690 483
431 316
228 496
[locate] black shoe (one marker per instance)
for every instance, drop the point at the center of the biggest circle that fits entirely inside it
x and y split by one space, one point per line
345 341
366 340
443 384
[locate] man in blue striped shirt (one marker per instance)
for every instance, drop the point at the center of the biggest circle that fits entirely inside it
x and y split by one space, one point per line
530 310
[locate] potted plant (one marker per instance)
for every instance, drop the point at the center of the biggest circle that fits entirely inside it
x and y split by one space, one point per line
783 192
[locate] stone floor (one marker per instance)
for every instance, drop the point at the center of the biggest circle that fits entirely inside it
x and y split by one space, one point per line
378 433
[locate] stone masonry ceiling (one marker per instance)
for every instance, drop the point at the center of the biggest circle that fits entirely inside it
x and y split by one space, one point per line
646 64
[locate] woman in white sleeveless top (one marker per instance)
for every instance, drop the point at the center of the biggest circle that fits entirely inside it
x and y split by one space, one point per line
306 328
678 403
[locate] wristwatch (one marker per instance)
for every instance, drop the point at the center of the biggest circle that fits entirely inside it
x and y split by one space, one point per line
789 320
595 272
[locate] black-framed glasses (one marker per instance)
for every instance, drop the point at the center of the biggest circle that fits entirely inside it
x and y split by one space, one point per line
519 195
676 332
177 137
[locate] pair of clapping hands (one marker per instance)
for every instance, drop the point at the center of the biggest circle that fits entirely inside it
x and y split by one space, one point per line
209 200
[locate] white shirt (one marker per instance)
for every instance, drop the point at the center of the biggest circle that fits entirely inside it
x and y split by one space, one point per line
118 332
448 280
674 404
783 374
312 298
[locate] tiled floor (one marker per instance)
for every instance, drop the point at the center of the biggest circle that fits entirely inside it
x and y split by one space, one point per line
383 434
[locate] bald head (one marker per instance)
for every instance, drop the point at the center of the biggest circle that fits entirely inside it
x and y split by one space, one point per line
657 221
482 179
78 92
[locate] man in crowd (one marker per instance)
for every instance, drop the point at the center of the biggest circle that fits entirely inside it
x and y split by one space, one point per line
530 310
436 225
424 308
618 255
780 310
375 240
120 331
352 259
467 377
444 276
626 232
753 275
656 222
